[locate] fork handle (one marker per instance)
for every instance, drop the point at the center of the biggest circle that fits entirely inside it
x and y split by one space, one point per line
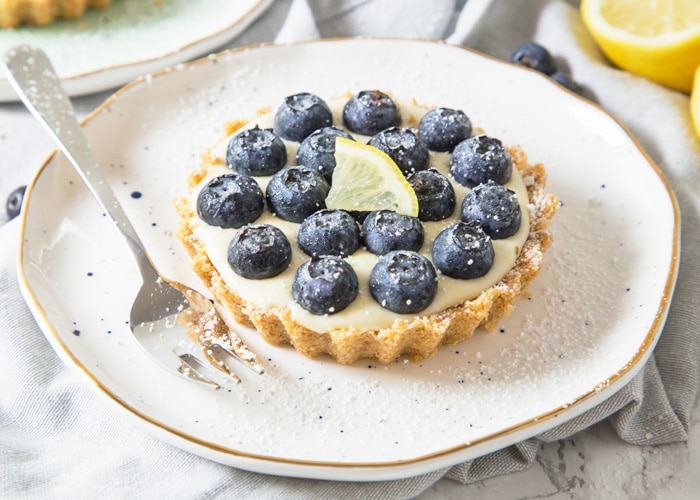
34 79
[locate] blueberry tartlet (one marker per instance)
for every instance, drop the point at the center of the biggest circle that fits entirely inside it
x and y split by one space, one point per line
39 13
288 225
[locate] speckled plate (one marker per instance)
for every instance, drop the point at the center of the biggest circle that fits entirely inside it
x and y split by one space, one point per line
590 322
108 48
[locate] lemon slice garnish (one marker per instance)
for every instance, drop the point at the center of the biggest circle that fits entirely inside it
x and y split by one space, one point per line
658 40
366 179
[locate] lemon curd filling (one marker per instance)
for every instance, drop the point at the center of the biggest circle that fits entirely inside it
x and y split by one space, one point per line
364 313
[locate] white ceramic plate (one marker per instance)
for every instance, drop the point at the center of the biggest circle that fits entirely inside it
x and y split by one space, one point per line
110 47
591 321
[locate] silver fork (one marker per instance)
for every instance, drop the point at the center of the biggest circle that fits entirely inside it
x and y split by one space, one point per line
160 305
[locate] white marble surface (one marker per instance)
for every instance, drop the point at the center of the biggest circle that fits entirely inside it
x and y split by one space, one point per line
594 464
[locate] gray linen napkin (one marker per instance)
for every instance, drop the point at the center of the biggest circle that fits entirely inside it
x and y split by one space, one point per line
58 439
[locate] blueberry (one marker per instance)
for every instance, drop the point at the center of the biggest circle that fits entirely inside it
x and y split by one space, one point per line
369 112
463 251
436 196
329 232
317 151
259 251
230 200
479 159
301 114
14 202
404 147
443 128
325 285
567 81
256 151
386 231
294 193
495 208
403 282
535 56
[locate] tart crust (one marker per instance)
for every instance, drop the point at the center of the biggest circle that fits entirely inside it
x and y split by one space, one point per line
14 13
419 337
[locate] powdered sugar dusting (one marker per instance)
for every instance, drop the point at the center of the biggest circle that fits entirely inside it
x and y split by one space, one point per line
601 283
559 330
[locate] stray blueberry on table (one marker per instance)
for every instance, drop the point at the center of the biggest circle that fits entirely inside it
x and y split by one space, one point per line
14 202
296 192
535 56
567 81
479 159
495 208
386 231
259 251
329 232
317 151
325 285
403 282
369 112
404 147
463 251
230 200
441 129
436 196
256 151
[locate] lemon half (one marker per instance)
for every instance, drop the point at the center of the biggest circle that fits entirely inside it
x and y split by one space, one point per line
366 179
695 103
657 39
